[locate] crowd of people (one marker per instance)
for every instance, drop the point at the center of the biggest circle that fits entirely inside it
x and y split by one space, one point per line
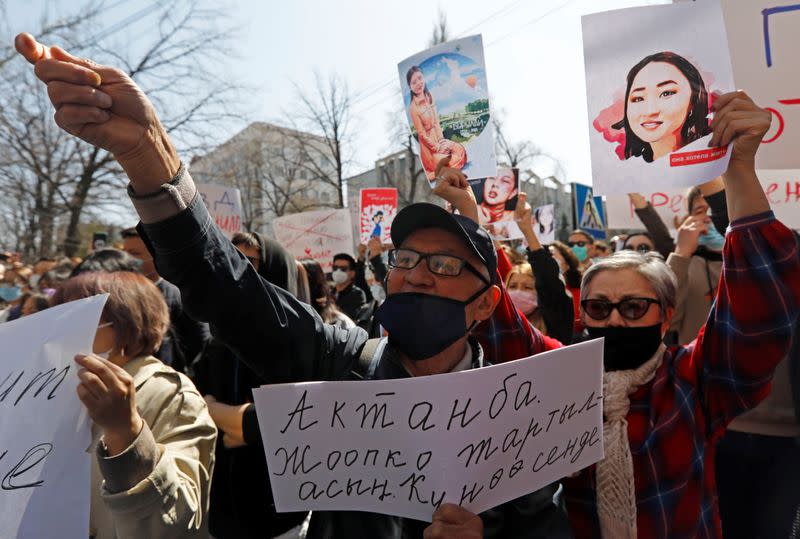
701 368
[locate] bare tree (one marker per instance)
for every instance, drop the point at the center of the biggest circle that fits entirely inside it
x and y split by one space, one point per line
324 111
59 178
441 32
522 154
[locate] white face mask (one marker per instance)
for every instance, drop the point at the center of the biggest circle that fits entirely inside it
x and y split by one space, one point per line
105 355
339 276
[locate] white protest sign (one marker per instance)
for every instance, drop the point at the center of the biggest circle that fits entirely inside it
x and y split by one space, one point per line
225 206
44 464
651 75
477 438
316 234
782 188
763 44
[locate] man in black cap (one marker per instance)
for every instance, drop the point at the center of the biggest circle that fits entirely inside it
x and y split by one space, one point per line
440 286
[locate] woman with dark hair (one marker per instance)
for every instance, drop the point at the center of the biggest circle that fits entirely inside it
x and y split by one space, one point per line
641 242
151 474
322 297
433 146
666 106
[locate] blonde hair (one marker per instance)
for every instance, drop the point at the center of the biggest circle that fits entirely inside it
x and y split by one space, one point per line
535 318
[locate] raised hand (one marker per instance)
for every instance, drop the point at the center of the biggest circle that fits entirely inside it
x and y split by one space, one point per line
524 219
452 186
108 393
689 234
104 107
739 121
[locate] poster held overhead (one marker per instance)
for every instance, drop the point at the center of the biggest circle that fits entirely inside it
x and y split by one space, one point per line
377 211
446 99
316 234
225 206
45 430
651 78
477 438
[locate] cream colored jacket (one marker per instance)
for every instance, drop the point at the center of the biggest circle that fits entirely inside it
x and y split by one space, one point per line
158 487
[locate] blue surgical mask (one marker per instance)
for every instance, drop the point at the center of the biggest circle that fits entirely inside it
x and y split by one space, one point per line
581 252
422 325
712 239
9 293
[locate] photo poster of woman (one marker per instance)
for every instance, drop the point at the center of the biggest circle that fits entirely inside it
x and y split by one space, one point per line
496 196
378 208
544 226
652 74
446 100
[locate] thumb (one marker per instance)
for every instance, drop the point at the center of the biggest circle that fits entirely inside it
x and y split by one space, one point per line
521 198
30 49
443 162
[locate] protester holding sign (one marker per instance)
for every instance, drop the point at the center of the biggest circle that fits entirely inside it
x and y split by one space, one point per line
536 287
152 472
440 286
665 408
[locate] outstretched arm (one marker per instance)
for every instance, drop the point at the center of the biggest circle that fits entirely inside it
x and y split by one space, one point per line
104 107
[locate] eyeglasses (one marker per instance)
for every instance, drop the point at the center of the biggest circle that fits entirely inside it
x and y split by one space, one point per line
629 309
578 243
642 248
448 265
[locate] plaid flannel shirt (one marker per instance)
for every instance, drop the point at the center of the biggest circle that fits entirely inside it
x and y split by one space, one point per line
507 335
675 420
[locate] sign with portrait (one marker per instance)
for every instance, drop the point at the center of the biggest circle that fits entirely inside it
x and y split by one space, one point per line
377 211
446 99
652 74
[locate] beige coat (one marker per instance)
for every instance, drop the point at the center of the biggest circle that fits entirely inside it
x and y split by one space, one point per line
175 455
698 280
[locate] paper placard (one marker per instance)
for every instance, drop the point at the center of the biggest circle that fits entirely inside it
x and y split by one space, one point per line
477 438
377 211
782 188
316 234
44 463
225 206
446 99
651 75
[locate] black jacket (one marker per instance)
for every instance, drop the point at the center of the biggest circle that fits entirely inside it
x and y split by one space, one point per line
284 340
558 311
350 300
185 336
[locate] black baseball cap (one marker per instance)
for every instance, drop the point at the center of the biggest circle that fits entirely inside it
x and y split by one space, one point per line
424 215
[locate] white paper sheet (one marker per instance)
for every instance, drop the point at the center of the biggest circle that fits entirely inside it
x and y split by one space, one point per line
478 438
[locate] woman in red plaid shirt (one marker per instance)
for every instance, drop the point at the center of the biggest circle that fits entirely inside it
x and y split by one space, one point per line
665 408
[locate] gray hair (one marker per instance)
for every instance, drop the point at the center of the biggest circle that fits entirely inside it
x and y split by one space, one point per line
650 265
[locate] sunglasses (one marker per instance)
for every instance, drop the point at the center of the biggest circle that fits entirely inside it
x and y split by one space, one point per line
642 248
578 243
447 265
629 309
341 268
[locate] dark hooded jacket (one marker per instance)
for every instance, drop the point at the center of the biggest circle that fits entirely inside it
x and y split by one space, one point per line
241 497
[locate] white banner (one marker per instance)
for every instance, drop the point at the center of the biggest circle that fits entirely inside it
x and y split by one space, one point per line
782 188
225 206
764 41
477 438
316 234
45 434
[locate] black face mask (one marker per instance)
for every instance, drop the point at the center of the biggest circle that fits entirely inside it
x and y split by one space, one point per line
627 348
421 325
